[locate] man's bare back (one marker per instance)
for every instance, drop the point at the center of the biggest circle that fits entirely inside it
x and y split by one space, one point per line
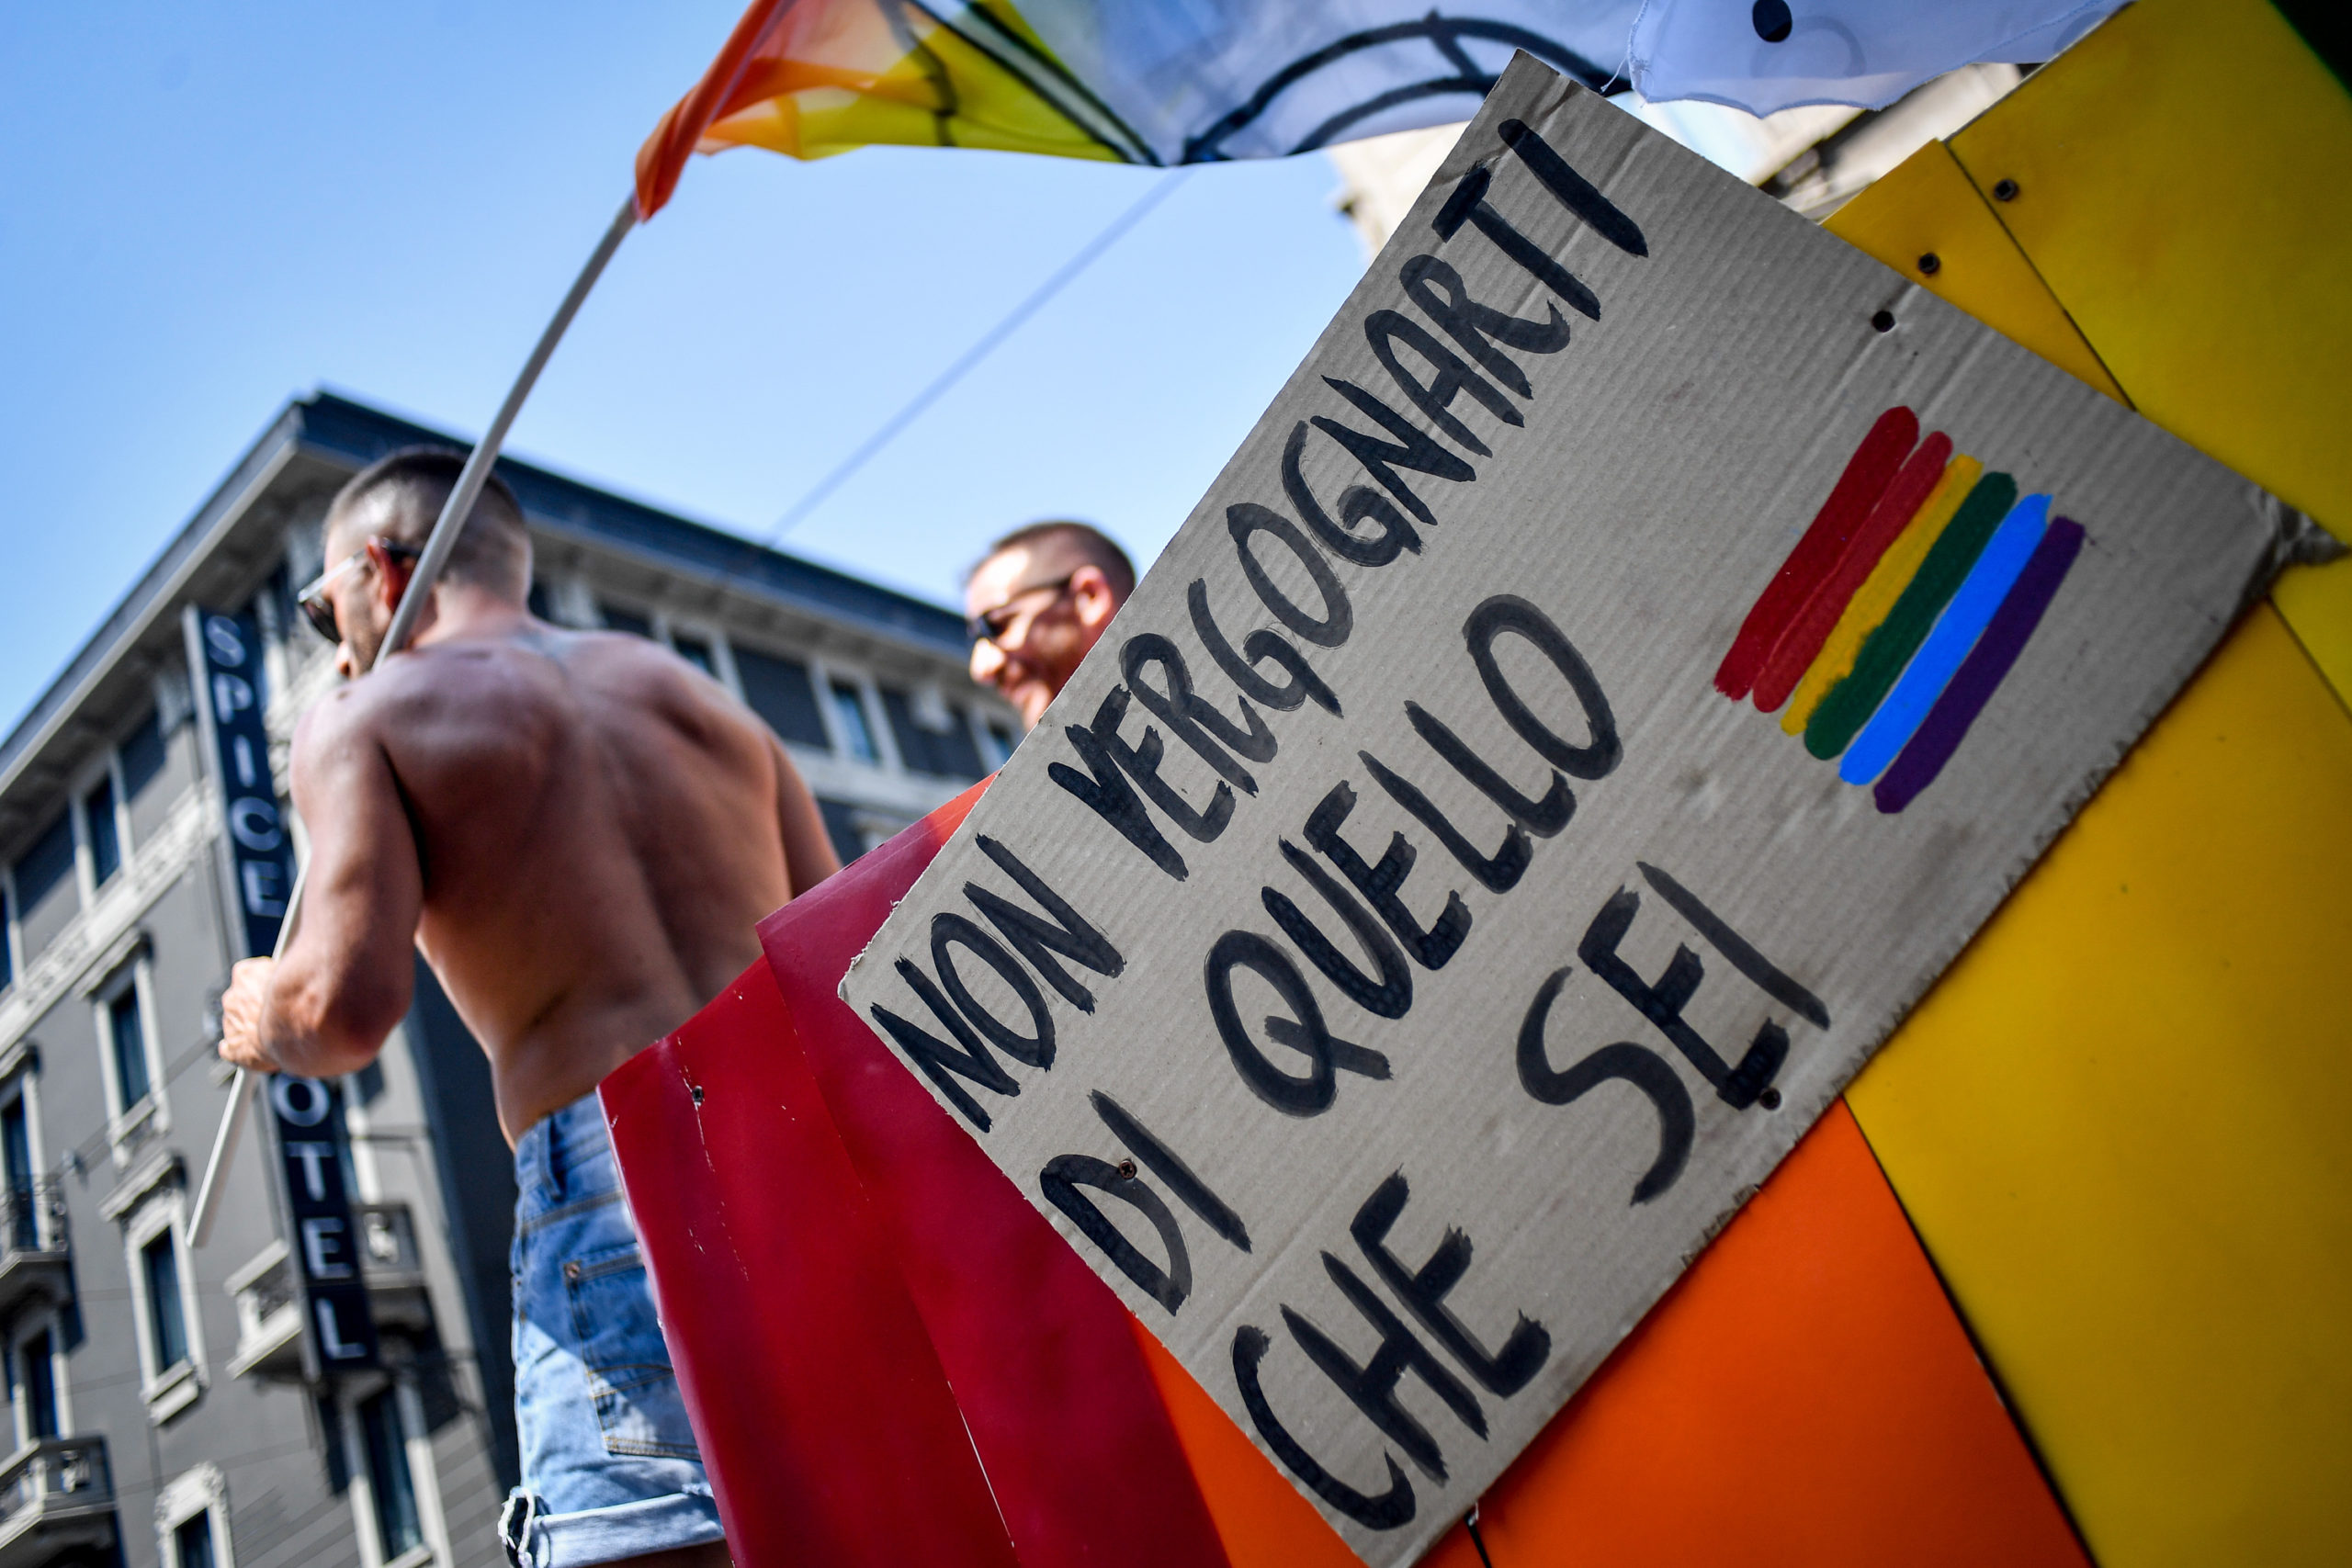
579 830
601 830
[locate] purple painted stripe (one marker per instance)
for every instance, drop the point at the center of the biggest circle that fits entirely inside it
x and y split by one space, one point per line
1980 674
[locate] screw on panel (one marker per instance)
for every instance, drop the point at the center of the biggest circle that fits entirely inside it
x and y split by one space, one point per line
697 1093
2004 191
1883 322
1127 1171
1931 265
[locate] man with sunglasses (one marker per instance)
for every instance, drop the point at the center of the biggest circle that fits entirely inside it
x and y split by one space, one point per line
1040 598
580 832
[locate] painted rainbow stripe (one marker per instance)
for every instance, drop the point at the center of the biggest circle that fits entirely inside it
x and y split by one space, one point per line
1902 608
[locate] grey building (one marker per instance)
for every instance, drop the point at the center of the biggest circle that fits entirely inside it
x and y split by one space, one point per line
165 1403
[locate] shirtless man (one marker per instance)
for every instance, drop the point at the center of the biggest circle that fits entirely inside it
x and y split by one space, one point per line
579 831
1040 598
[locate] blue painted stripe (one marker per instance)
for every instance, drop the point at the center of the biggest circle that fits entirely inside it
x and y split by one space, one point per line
1956 631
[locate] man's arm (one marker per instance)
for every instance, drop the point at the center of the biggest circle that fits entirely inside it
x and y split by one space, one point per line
345 979
808 855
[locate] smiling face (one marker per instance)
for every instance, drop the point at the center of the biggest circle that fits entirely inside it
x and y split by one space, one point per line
1044 604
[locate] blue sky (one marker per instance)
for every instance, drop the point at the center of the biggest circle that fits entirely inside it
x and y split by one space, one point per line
215 208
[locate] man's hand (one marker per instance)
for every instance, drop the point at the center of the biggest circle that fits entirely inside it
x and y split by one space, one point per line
241 1010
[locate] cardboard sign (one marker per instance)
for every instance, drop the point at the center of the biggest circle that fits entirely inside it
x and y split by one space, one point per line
1634 653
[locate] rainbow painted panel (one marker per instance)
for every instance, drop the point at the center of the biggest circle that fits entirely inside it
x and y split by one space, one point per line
1902 608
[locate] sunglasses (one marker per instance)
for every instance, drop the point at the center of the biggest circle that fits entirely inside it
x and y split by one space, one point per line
990 625
313 600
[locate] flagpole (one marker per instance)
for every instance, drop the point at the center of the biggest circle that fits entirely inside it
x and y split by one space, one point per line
438 544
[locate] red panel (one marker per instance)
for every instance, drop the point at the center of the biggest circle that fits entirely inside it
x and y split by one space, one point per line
1060 1402
824 1417
1805 1396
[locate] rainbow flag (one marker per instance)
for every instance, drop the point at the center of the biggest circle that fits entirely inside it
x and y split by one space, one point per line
1157 82
1901 610
1201 81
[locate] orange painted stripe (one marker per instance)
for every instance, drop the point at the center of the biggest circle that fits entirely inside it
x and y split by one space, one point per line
1879 592
1913 484
1804 1397
1866 474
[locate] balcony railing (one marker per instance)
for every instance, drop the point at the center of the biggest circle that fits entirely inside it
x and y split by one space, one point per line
268 1298
33 1254
268 1292
391 1267
55 1494
32 1216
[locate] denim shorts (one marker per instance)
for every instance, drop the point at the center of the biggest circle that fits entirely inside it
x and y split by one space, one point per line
610 1470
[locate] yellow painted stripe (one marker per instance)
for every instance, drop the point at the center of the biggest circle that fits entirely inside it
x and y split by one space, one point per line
1879 590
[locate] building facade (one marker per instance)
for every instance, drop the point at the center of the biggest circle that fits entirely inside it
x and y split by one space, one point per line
167 1403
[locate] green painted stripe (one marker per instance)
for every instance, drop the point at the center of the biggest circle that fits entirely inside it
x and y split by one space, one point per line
1890 646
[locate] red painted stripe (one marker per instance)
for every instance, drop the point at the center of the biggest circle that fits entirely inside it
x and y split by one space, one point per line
1801 643
1867 475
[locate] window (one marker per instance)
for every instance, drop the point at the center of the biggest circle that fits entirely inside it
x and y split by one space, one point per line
47 864
1000 741
192 1520
696 653
192 1542
398 1527
159 1267
105 838
938 742
849 712
16 1157
7 941
45 867
780 692
627 621
46 895
142 756
128 1034
36 1366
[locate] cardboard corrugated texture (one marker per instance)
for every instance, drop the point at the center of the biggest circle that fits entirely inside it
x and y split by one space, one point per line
1394 1111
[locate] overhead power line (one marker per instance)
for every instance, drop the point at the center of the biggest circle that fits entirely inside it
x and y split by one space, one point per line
1010 324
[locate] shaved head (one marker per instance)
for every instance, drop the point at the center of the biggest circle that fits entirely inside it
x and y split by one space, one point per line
1038 599
1064 543
400 497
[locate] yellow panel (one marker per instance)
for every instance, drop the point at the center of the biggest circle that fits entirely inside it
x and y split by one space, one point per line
2184 185
2317 602
1926 207
2118 1124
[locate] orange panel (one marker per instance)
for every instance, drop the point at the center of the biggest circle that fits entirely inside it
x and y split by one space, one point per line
1803 1396
1260 1515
